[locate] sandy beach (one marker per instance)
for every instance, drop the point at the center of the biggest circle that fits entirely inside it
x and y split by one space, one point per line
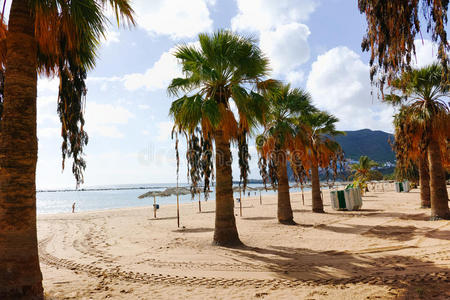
388 250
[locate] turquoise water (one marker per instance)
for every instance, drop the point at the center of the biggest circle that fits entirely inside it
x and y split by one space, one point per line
127 196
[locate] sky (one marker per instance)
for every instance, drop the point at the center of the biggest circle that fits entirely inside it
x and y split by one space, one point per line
312 44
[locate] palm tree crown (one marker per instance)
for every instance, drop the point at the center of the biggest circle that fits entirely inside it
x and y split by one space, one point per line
223 67
321 148
422 95
284 108
363 167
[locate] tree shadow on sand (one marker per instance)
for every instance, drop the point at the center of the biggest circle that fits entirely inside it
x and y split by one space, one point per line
301 210
389 232
194 230
259 218
336 267
396 233
161 219
382 213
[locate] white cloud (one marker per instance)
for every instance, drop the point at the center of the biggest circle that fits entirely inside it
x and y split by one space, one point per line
111 37
48 86
426 53
46 114
48 132
144 106
282 35
45 101
287 46
103 119
295 77
339 83
175 18
259 15
164 131
103 79
157 77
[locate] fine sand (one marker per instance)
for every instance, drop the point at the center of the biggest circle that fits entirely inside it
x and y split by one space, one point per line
388 250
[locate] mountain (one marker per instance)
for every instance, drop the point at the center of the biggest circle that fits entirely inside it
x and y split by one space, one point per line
374 144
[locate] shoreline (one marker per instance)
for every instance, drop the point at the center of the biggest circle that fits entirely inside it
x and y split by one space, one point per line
172 199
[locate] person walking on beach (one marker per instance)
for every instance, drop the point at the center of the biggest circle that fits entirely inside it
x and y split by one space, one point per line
73 207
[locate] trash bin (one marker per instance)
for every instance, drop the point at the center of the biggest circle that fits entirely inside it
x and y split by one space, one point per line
348 199
402 187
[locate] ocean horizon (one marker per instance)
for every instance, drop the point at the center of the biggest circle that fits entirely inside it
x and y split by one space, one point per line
103 197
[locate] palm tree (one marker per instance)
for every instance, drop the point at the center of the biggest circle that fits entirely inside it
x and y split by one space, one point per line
422 93
411 155
51 38
278 140
361 171
224 67
321 149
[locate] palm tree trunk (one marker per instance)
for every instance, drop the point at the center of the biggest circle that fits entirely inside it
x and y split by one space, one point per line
20 275
225 231
317 203
424 181
438 188
284 201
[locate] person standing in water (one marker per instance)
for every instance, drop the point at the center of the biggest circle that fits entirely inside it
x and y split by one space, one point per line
73 207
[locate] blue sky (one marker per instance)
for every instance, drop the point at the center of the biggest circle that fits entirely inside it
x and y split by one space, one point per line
314 45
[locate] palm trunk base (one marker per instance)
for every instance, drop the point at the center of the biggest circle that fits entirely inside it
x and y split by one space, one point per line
437 218
317 203
35 292
284 211
225 231
287 222
438 187
226 239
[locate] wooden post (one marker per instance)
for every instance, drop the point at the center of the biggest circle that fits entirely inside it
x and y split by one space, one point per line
199 203
154 206
303 196
260 199
178 207
240 201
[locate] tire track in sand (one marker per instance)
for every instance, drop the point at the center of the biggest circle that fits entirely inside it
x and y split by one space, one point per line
400 280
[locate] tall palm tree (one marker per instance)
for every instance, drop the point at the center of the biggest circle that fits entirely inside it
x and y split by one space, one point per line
411 154
277 142
224 67
321 149
424 98
51 38
361 170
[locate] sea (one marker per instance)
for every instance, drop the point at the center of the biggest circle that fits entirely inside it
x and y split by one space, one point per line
116 196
